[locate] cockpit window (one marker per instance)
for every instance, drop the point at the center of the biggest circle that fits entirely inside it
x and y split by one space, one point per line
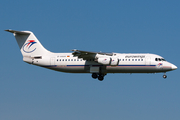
163 59
160 59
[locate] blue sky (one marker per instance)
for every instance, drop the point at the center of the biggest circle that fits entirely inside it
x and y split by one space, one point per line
126 26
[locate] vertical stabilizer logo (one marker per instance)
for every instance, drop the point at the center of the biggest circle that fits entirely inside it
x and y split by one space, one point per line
29 46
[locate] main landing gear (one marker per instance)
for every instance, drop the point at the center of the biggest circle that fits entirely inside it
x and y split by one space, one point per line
164 76
99 76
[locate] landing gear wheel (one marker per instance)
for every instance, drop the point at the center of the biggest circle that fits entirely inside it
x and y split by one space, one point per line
100 78
94 75
164 76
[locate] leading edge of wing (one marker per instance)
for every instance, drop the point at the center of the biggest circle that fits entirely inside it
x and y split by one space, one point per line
89 52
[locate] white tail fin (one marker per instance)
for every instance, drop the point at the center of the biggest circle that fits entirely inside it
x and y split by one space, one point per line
28 44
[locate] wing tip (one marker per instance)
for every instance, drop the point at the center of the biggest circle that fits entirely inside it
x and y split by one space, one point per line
8 30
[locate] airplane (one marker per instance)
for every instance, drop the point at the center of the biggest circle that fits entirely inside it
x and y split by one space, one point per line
96 63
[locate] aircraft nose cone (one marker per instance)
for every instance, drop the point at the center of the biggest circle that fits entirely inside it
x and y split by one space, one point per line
173 67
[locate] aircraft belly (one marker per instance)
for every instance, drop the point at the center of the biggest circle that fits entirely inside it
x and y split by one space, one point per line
69 69
74 70
133 69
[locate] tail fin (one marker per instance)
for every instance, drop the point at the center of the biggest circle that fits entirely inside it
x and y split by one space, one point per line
28 43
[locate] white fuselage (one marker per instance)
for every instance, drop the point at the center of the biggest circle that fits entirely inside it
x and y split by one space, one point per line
128 63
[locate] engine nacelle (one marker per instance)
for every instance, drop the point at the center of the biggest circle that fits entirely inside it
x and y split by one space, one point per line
104 61
114 61
108 61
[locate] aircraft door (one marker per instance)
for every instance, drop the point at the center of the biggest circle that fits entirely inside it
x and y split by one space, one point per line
148 61
52 61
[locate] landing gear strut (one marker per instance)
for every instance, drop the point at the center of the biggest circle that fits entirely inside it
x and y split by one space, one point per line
164 76
99 76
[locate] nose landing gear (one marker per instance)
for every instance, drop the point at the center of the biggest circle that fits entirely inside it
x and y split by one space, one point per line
164 76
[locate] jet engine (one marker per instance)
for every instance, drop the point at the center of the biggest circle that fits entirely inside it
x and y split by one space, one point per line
114 61
104 61
108 61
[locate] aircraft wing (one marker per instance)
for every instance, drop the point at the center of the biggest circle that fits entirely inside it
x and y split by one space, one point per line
88 54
